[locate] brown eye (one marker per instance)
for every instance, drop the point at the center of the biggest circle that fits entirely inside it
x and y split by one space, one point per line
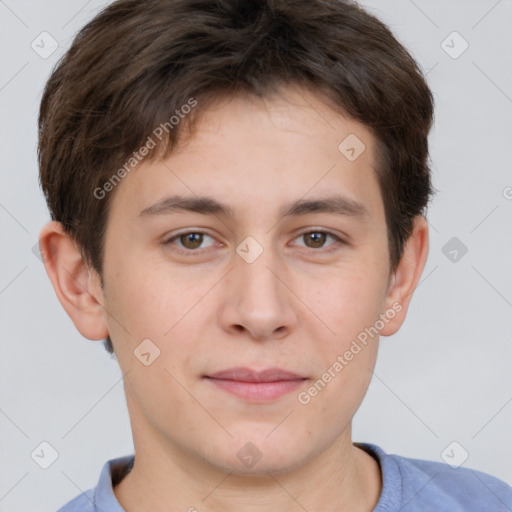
191 240
188 242
317 239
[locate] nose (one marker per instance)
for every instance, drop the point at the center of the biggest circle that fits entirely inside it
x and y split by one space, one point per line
257 300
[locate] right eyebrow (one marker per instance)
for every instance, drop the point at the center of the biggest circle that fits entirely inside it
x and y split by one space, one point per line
203 205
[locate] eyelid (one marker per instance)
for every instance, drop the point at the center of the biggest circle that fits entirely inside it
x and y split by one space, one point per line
320 230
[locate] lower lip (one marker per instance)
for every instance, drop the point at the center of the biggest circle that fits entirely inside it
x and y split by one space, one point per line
257 391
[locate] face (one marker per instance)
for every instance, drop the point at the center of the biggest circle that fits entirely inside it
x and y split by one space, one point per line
193 293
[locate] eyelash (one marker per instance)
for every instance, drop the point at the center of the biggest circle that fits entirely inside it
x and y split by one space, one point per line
192 252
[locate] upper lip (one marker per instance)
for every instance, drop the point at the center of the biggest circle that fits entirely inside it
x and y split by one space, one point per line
248 375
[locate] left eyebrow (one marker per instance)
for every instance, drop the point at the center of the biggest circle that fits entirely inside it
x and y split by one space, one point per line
338 205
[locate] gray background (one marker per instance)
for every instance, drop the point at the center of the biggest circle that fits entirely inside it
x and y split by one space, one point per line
444 377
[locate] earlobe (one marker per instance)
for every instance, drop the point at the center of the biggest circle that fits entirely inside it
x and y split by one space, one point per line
76 288
407 275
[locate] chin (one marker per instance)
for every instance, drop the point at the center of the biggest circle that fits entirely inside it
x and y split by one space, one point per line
259 455
262 468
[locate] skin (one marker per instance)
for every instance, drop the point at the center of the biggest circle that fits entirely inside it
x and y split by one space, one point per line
298 306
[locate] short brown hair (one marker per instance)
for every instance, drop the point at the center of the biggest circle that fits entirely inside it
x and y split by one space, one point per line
138 62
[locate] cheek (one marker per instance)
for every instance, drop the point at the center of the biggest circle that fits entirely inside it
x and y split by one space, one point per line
350 300
147 300
350 305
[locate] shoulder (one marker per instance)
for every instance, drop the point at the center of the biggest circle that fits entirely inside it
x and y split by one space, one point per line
102 498
82 503
459 488
424 485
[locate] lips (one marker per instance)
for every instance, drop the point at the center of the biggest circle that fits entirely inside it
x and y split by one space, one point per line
248 375
256 386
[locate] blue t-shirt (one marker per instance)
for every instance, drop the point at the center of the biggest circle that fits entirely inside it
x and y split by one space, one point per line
409 485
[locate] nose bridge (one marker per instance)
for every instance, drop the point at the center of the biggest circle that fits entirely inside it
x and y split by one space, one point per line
256 296
258 268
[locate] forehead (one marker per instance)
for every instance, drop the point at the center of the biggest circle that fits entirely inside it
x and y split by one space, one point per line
289 109
272 150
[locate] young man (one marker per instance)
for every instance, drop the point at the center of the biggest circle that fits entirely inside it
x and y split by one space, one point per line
238 191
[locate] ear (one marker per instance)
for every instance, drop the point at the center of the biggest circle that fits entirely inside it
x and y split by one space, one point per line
406 277
76 286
